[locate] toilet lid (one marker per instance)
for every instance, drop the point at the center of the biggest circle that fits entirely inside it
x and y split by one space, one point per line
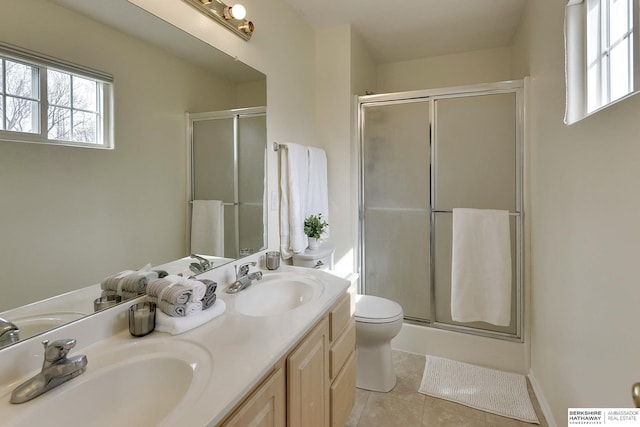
372 309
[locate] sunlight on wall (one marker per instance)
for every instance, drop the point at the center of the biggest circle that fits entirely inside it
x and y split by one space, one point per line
344 265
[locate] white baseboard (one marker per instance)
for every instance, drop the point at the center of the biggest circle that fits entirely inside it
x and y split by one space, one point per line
544 405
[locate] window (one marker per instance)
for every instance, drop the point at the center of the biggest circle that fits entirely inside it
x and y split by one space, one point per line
609 51
602 60
50 101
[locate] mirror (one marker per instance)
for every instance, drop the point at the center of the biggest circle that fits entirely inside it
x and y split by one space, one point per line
73 216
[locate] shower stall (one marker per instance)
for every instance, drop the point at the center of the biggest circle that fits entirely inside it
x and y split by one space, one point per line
422 154
228 163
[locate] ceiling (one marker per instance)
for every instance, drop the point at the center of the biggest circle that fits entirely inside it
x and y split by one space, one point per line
412 29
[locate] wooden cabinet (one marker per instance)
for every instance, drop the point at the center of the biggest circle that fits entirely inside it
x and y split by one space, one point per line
308 380
265 407
314 385
342 361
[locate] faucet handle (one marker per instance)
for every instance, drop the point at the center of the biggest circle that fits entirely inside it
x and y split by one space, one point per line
243 270
58 349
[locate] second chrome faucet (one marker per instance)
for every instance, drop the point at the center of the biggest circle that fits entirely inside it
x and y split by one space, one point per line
243 278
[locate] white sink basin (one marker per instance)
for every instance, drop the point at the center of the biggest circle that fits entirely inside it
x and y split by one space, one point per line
277 293
38 323
139 383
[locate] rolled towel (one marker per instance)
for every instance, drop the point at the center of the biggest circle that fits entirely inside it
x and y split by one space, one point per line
210 294
169 291
178 325
198 289
211 287
173 310
161 273
208 301
137 282
194 307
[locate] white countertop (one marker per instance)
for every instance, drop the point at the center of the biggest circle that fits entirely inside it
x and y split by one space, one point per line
242 348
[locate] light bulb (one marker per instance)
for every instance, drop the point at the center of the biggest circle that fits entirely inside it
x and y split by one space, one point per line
238 11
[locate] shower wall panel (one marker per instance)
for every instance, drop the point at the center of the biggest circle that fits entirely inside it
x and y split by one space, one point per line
396 157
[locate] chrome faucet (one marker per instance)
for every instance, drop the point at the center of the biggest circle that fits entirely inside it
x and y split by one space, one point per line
9 333
243 278
201 266
56 370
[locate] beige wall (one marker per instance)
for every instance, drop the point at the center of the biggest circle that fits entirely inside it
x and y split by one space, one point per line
585 231
70 216
480 66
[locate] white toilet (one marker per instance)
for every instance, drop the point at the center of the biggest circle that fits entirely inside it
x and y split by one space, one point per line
378 320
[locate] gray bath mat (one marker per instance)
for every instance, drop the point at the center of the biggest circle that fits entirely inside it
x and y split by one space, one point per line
498 392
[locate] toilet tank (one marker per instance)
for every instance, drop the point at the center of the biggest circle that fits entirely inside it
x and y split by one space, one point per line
321 258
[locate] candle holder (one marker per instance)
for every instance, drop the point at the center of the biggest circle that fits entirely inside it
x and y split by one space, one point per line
142 318
273 260
106 302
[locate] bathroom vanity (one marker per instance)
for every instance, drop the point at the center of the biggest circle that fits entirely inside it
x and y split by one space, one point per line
293 365
314 385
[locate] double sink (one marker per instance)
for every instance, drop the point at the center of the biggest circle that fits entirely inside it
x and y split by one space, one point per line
158 379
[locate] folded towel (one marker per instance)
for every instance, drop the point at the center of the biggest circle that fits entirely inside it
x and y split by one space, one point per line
178 325
207 227
294 182
317 197
481 266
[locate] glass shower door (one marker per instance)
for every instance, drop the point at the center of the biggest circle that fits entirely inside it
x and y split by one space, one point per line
395 205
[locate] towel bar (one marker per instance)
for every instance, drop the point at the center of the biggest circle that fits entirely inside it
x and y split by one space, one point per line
450 211
223 204
277 146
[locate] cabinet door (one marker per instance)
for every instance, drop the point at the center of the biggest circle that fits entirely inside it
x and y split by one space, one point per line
343 393
308 380
265 407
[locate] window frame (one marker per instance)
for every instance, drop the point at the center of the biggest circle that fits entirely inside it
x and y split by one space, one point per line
577 65
603 53
43 63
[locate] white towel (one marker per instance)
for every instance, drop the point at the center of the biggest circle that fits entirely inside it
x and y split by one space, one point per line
481 266
294 181
318 198
178 325
207 227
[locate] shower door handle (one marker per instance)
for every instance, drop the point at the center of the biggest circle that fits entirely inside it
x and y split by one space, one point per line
635 392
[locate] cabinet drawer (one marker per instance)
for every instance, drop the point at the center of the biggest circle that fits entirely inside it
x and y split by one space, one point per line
342 348
343 393
339 317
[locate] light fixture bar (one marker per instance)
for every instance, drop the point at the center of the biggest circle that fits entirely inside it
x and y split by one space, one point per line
215 9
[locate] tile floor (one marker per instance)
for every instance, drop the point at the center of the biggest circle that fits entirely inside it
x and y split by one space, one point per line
405 407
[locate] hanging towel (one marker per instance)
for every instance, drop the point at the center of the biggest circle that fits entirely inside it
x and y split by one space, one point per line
318 194
481 266
207 227
294 182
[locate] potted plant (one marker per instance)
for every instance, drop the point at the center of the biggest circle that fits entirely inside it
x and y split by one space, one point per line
313 228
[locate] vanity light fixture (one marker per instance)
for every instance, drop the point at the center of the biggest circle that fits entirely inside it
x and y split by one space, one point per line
231 17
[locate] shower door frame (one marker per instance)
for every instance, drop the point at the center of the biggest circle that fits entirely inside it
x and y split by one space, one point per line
235 115
517 87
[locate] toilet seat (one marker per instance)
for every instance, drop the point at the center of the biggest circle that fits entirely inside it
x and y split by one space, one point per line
372 309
